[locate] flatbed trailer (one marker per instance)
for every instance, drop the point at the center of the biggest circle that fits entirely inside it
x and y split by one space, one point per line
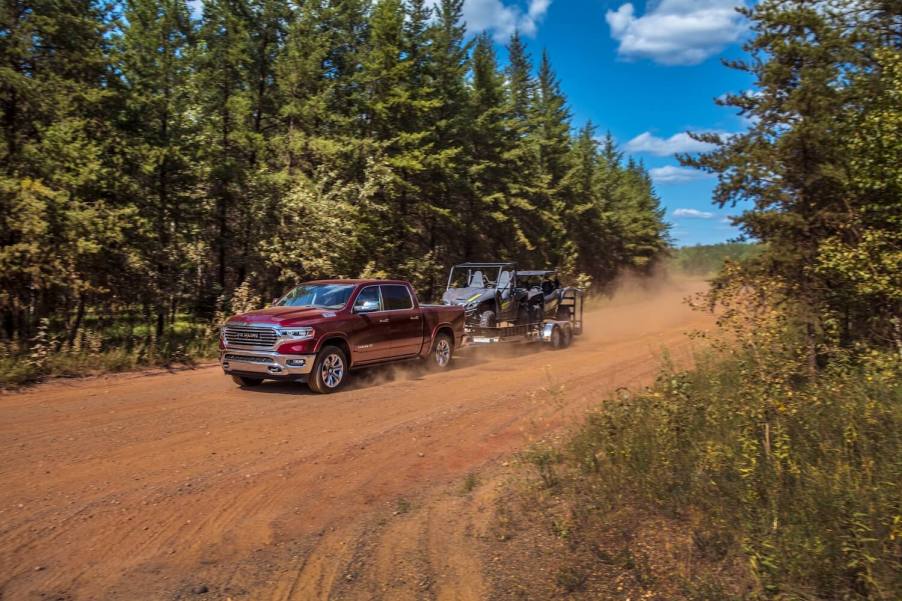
557 332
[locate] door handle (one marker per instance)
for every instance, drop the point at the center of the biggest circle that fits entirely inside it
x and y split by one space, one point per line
414 316
383 320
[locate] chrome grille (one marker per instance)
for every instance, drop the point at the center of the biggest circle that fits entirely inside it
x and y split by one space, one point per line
248 358
249 336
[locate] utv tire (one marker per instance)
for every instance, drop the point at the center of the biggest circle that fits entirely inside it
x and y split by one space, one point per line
440 356
487 319
245 382
537 313
330 370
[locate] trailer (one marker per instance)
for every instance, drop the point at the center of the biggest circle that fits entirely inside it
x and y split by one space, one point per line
557 332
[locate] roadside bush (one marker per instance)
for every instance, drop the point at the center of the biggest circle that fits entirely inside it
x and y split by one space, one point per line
116 348
804 475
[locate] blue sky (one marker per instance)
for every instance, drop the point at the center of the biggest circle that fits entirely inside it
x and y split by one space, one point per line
648 71
645 70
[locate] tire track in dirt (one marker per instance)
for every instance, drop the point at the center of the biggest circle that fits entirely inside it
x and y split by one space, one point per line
142 487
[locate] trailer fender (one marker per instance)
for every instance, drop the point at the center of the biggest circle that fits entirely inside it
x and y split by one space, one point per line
553 334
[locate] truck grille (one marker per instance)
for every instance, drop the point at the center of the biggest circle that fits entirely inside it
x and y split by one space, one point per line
250 336
248 359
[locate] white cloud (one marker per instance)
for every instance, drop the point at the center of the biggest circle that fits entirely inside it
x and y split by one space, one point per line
693 214
671 174
682 142
676 32
503 19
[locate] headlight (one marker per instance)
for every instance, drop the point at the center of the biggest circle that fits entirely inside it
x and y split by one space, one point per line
296 333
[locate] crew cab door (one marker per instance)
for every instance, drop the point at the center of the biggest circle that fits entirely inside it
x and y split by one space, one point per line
406 333
371 338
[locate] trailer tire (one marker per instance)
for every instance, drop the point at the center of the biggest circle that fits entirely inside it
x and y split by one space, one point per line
487 319
566 335
246 382
330 370
557 339
440 356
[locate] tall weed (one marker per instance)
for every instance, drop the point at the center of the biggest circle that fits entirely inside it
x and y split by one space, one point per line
803 474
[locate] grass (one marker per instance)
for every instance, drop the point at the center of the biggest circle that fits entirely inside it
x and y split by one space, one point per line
799 478
115 347
471 481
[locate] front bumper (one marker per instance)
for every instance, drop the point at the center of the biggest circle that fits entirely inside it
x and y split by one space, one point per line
266 364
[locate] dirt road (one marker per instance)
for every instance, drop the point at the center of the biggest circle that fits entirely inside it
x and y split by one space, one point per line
183 486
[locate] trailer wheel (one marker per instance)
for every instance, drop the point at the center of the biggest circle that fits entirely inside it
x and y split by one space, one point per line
442 349
566 336
487 319
557 339
245 382
330 370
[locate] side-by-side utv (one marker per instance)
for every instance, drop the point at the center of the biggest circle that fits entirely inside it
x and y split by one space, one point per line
503 303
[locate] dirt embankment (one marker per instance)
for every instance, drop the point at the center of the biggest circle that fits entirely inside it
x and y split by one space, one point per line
183 486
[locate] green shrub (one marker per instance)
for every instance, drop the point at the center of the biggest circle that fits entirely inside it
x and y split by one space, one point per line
803 474
709 259
113 349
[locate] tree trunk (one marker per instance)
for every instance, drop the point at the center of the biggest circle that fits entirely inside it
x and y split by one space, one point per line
76 325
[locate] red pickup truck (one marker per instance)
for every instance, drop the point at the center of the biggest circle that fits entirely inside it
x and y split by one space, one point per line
321 330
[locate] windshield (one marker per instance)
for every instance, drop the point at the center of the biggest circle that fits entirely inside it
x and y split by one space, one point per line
474 277
320 296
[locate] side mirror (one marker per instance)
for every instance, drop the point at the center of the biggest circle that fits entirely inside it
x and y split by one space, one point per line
367 306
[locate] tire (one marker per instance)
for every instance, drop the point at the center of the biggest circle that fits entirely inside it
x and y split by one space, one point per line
557 339
538 313
440 355
566 336
330 370
246 382
487 319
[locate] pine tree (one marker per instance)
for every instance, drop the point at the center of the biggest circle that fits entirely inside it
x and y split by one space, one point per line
155 62
61 223
489 141
813 65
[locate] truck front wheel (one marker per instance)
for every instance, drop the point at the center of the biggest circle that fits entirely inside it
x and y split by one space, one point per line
330 370
442 349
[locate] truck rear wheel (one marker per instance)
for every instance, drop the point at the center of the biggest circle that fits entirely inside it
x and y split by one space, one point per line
246 382
442 349
330 370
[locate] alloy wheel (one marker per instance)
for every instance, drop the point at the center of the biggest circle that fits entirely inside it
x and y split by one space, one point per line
442 352
333 371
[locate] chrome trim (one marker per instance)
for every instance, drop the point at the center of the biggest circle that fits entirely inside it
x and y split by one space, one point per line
249 336
264 362
359 292
268 336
